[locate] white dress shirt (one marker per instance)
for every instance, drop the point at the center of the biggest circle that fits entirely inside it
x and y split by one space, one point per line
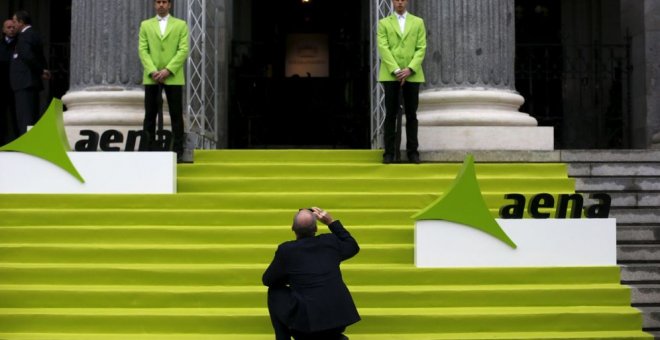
402 21
162 21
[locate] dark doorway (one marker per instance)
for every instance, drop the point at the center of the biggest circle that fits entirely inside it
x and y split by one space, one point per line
539 61
573 68
275 100
52 19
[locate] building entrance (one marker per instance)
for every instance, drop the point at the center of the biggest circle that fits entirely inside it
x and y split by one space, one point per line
299 75
573 68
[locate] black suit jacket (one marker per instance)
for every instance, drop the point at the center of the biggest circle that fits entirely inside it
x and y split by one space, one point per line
28 62
310 266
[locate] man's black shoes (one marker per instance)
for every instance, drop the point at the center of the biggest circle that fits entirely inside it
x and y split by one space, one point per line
414 158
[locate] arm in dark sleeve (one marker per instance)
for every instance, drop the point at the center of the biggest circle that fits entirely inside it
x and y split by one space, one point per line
275 275
348 246
31 53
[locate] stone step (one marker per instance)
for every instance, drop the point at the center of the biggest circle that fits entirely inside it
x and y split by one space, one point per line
650 216
645 295
627 199
632 274
585 156
638 253
650 317
614 169
638 233
642 199
613 184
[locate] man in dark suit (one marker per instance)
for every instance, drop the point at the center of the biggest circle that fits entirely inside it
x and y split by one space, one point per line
7 119
307 297
27 69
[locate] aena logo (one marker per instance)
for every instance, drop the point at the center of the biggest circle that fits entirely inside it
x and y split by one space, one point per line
463 203
47 140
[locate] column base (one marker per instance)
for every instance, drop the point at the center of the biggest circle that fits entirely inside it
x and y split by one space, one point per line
472 107
100 111
655 141
437 138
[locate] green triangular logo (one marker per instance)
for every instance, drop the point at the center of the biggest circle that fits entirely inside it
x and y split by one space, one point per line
464 204
47 140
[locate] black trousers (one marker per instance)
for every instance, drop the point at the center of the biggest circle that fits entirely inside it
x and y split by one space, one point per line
280 307
410 103
27 108
174 94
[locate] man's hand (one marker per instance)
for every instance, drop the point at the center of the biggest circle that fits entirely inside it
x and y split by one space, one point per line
322 215
46 75
160 76
403 74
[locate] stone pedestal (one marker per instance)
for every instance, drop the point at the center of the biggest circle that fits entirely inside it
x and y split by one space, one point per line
99 111
655 141
106 73
469 100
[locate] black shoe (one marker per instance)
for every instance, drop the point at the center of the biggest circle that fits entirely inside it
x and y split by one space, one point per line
387 159
414 158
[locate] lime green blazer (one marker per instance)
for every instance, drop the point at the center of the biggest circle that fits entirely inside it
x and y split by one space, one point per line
158 51
400 50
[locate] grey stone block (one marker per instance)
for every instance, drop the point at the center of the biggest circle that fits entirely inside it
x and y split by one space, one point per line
640 274
579 169
492 156
629 200
625 169
645 294
608 184
613 169
636 216
619 200
637 233
582 156
638 253
650 316
648 200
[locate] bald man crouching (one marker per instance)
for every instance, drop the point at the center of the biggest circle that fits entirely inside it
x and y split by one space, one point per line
307 297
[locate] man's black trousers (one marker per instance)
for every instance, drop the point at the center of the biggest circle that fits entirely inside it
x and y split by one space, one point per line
410 101
174 94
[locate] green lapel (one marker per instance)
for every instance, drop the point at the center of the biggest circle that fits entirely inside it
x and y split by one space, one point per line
169 27
155 26
394 22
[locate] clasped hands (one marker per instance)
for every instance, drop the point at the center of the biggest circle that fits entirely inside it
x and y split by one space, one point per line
403 74
160 76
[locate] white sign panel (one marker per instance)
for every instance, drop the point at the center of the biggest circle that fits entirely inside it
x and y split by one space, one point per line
104 173
541 243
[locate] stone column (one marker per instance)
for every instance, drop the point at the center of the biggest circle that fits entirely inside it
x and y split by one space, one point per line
469 100
641 19
106 74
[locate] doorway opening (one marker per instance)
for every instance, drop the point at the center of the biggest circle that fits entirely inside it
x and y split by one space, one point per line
573 68
299 75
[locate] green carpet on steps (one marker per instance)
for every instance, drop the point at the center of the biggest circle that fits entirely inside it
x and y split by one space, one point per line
188 266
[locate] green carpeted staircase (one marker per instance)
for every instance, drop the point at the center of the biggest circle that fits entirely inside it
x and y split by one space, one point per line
188 266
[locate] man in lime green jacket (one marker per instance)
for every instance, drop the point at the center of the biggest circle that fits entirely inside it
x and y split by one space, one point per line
402 47
163 49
